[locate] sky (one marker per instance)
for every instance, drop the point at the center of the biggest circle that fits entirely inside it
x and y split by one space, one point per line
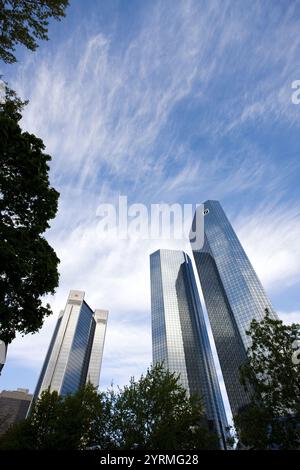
163 102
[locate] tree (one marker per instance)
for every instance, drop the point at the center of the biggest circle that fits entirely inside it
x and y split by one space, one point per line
28 264
82 418
272 419
156 413
149 414
19 436
58 422
25 22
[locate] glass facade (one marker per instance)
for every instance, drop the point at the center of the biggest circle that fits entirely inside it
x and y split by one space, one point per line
76 345
233 296
179 334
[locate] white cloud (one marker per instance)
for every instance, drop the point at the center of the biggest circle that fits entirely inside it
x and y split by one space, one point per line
128 351
270 237
31 350
290 317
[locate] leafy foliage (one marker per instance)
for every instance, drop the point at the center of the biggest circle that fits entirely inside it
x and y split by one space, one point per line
25 22
57 423
151 413
28 264
155 413
272 420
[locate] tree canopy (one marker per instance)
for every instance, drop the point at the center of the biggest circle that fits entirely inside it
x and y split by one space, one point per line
28 264
25 22
151 413
272 419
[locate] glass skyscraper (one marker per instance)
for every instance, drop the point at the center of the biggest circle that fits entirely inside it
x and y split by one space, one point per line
179 335
75 353
233 296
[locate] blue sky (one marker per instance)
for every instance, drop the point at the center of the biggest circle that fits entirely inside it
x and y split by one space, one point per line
162 101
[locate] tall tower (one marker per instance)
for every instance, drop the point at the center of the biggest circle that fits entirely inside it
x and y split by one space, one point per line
75 353
179 334
233 296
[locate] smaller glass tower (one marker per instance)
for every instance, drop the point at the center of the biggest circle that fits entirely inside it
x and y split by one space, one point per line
75 353
179 335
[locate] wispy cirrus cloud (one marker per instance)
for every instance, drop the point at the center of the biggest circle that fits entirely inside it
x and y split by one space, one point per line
270 235
101 107
290 317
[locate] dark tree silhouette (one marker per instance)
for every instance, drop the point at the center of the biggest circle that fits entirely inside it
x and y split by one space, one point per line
28 264
151 413
272 419
25 22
